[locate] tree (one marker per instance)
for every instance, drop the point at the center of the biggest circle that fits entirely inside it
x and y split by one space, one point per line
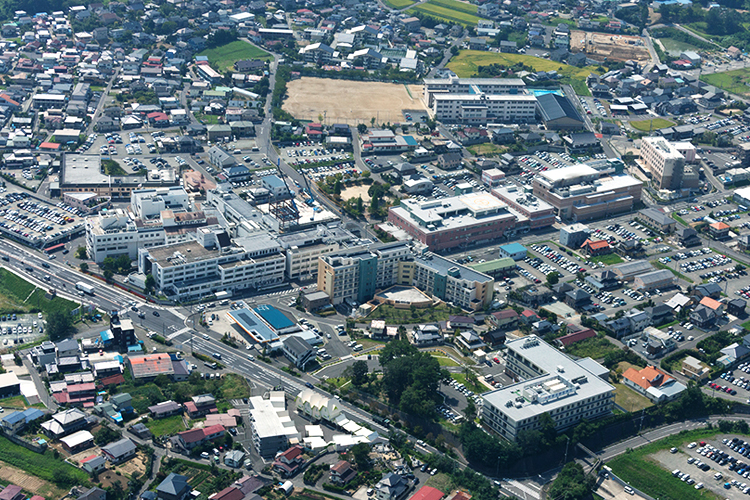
360 453
59 325
553 278
572 483
106 435
84 267
362 128
150 282
108 275
359 373
81 253
471 410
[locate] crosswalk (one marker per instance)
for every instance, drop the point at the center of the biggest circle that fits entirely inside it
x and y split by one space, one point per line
176 334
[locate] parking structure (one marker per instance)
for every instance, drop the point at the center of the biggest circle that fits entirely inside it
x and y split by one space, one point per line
37 223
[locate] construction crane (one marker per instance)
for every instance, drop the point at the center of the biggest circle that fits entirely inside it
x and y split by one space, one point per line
285 211
310 199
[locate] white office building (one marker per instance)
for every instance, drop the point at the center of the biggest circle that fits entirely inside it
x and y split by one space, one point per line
214 263
484 108
467 86
549 382
115 233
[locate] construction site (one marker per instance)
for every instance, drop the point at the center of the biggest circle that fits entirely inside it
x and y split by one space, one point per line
605 47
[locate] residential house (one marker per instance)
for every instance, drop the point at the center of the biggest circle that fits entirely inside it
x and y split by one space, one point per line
120 451
341 473
290 461
174 487
391 487
653 383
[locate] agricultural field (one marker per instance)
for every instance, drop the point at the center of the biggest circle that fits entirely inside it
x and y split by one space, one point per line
451 11
736 81
399 4
223 58
467 62
44 466
648 125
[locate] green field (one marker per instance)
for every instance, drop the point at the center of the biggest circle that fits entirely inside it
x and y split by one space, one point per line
19 296
609 259
44 465
166 426
595 347
399 4
638 469
467 62
675 47
629 399
655 124
736 81
478 388
451 11
394 316
444 360
223 58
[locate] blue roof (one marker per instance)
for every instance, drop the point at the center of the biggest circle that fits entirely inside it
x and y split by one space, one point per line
135 348
274 181
410 141
28 415
273 317
512 248
107 336
251 324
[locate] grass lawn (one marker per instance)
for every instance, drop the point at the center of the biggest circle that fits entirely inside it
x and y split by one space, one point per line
679 219
636 468
444 360
655 124
235 387
442 482
207 119
478 388
486 149
659 265
629 399
111 167
467 62
394 316
736 82
40 465
399 4
166 426
675 46
609 259
14 402
452 11
18 295
595 347
224 57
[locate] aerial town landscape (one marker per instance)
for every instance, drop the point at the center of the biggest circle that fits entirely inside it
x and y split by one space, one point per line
374 249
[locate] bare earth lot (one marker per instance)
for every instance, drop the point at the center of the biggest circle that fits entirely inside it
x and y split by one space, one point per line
355 191
350 101
9 474
613 47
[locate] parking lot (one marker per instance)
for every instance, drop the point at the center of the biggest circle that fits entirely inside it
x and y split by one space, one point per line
34 221
308 154
20 329
720 464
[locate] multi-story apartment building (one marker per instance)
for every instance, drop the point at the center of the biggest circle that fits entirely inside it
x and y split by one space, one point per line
304 247
663 161
581 192
483 108
214 263
116 233
458 221
358 273
469 86
550 382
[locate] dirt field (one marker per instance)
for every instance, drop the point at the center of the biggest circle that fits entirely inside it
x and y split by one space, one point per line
29 483
613 47
351 102
354 191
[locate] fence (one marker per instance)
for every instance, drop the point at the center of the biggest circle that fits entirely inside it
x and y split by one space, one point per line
37 448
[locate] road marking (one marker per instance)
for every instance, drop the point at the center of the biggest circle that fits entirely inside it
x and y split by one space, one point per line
176 334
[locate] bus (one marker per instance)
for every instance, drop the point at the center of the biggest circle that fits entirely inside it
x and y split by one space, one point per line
54 248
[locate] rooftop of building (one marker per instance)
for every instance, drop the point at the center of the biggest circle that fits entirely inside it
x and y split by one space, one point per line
564 382
182 254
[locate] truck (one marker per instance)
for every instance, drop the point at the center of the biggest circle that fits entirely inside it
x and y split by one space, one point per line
85 288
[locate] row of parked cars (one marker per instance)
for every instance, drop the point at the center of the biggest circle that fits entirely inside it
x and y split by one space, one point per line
558 258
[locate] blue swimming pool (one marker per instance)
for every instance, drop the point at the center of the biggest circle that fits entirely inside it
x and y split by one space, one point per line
538 92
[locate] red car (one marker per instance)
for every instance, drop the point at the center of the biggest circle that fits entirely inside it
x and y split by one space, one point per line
496 360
